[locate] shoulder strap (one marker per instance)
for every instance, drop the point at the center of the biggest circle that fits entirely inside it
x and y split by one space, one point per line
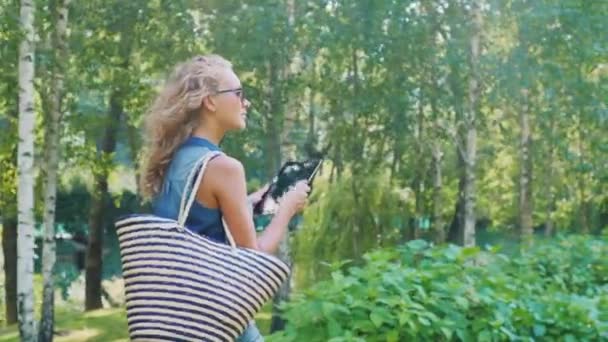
189 193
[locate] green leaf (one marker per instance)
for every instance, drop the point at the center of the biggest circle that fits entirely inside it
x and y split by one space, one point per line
462 302
376 318
404 317
424 321
539 330
333 328
447 333
484 335
417 245
392 336
327 309
469 251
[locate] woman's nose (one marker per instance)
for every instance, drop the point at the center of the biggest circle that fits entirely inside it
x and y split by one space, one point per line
246 103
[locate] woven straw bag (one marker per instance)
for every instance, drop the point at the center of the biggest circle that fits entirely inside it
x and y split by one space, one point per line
180 286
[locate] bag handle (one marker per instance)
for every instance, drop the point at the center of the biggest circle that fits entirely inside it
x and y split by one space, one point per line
185 205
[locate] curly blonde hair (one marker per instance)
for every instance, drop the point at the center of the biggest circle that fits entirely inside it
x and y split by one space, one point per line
175 114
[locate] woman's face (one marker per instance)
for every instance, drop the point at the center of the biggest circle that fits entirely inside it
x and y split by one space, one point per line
230 103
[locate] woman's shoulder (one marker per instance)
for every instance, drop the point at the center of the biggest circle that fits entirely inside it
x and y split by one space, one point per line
189 154
184 159
226 166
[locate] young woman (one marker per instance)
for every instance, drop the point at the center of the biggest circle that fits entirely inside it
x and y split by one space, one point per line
201 101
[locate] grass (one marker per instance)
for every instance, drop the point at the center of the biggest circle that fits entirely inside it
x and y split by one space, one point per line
107 325
72 325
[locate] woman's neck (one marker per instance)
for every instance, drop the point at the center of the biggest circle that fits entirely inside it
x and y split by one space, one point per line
212 134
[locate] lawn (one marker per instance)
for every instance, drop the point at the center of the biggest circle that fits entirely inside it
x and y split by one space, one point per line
107 325
97 326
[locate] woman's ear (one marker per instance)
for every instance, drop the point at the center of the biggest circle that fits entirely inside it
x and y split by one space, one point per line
209 103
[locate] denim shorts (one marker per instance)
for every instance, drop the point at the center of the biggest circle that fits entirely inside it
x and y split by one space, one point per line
251 334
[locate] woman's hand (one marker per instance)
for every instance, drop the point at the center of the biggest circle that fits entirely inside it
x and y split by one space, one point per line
256 196
295 199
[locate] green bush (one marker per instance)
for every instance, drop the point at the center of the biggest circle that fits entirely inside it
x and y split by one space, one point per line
556 290
341 225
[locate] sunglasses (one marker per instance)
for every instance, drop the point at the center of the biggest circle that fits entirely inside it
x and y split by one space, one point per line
237 91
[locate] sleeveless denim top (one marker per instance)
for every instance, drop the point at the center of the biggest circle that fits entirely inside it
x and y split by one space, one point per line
201 220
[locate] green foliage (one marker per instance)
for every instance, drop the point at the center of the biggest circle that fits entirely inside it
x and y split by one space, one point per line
378 83
73 202
552 291
342 224
9 34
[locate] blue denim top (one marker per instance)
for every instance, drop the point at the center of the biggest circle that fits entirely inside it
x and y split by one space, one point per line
201 220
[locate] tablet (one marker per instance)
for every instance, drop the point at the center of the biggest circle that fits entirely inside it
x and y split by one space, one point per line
290 173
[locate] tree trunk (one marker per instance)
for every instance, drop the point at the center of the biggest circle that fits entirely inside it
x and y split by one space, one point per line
278 75
278 323
549 223
437 225
338 162
94 264
438 230
471 132
25 170
9 249
551 206
468 238
8 198
52 159
273 124
134 146
439 234
582 186
418 183
274 163
284 251
456 229
525 176
396 156
310 146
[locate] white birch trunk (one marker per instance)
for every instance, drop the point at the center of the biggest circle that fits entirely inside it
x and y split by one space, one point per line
284 252
25 169
438 229
52 159
549 183
470 140
525 175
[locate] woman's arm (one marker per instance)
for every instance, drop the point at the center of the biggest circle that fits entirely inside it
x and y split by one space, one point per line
224 187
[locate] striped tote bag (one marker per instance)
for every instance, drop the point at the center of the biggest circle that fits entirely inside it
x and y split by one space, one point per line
180 286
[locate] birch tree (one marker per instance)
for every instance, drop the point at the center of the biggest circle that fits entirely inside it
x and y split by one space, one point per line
25 170
52 158
470 140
